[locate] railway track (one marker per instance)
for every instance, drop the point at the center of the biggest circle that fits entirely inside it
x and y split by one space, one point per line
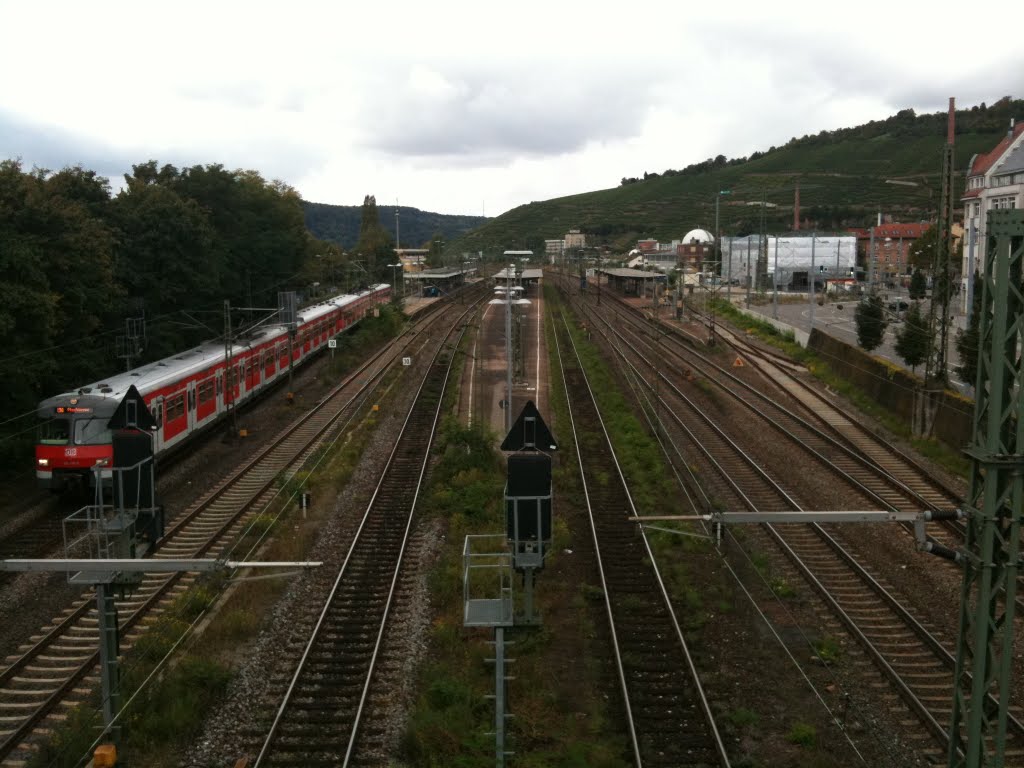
898 480
894 480
916 663
34 534
668 716
57 668
320 717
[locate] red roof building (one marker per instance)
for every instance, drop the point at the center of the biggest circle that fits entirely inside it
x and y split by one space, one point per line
994 180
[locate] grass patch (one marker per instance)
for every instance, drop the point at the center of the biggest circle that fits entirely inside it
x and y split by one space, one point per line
781 587
828 650
743 717
803 735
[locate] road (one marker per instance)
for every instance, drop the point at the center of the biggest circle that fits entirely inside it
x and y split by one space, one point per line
837 319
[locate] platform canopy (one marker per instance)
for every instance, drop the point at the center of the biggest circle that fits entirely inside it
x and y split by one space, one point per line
441 273
637 274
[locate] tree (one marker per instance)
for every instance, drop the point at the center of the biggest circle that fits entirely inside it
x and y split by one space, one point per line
435 251
375 244
918 285
914 341
968 339
871 322
167 263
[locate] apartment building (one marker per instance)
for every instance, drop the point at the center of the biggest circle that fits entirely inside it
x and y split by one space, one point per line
994 180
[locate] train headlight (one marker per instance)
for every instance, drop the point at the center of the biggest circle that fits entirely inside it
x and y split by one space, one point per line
42 462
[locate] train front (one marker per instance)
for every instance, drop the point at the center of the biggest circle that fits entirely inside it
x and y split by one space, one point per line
74 443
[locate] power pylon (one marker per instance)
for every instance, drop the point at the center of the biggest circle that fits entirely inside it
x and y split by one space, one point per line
995 505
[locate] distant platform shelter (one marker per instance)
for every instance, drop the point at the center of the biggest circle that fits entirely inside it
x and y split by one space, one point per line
440 281
632 282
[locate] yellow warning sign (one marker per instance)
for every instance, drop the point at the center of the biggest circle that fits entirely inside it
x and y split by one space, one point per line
739 363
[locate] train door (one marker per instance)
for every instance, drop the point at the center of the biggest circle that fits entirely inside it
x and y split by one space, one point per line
157 409
269 358
190 405
252 373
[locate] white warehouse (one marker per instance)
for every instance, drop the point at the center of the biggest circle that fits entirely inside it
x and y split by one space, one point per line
827 256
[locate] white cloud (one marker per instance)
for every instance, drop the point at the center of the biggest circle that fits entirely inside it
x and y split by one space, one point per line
451 105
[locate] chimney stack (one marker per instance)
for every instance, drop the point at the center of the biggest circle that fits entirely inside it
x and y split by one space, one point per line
1010 133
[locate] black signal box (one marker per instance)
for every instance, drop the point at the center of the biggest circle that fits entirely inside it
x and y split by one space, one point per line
528 506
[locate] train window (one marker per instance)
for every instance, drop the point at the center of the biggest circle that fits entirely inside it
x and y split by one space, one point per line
54 432
175 407
220 383
206 391
92 432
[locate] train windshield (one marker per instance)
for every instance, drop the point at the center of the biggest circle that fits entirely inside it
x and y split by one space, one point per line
54 432
92 432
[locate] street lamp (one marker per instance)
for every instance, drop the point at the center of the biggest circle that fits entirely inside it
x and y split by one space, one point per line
394 282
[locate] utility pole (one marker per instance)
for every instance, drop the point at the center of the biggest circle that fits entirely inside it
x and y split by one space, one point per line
749 280
945 246
762 248
775 281
130 345
810 280
871 262
728 279
971 238
718 234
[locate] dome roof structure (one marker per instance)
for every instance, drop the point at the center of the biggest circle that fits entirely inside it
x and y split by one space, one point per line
700 235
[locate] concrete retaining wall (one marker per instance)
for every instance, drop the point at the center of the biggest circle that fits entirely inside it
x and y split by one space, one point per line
894 388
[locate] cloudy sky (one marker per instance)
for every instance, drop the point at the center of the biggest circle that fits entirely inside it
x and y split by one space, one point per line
470 107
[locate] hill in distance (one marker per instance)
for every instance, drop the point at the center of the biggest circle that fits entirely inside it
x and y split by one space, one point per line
340 224
846 178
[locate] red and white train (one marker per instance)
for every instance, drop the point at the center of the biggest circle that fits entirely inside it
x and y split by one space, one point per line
185 393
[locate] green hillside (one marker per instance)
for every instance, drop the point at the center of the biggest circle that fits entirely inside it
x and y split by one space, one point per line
844 176
340 224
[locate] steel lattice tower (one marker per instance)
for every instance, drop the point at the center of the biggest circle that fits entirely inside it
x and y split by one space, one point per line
995 505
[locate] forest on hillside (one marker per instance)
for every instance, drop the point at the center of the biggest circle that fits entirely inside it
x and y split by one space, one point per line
846 178
905 124
340 224
77 263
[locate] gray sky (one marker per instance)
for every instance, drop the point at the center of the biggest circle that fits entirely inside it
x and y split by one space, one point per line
470 107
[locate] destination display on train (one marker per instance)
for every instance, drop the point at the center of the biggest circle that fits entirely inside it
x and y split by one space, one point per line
72 409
